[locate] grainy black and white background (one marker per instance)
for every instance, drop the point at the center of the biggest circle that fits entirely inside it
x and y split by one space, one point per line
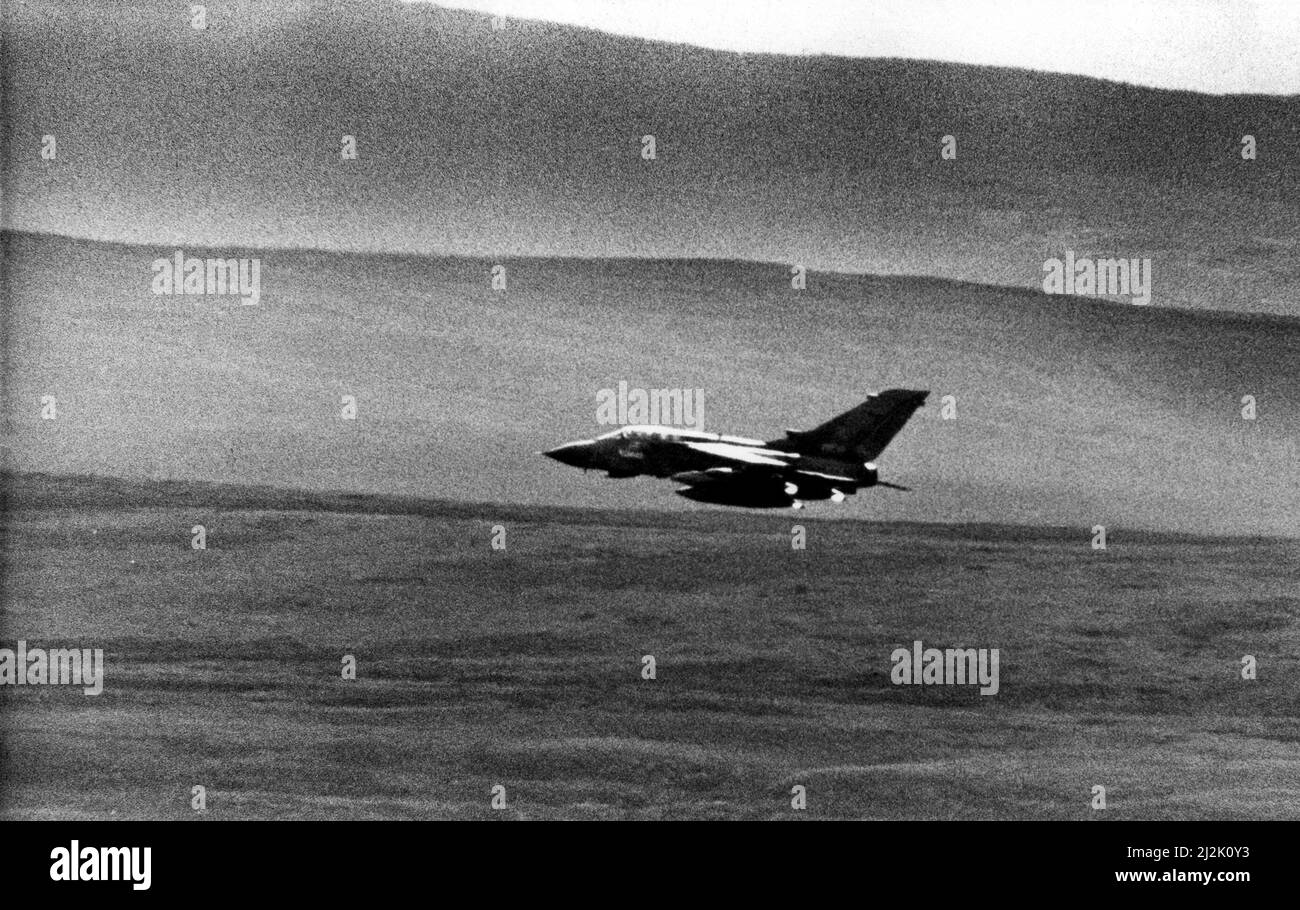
509 140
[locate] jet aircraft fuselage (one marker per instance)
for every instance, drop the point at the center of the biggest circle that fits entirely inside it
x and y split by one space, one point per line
832 461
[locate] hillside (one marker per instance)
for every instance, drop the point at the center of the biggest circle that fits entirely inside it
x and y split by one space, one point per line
528 141
521 667
1069 412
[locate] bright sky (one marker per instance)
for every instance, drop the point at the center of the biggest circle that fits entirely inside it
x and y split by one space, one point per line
1205 45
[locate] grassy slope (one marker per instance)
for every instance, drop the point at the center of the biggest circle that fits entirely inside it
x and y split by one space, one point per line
1068 411
522 667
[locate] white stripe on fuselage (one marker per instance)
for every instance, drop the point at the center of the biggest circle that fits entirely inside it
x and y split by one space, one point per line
747 454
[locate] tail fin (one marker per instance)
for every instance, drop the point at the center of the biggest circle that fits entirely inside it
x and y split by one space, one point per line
860 434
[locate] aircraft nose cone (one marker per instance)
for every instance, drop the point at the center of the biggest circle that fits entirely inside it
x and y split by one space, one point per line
571 453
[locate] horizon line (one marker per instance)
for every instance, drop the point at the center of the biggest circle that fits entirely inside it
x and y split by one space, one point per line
1238 47
715 260
372 499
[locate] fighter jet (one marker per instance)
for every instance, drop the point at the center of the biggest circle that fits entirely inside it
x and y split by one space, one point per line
830 462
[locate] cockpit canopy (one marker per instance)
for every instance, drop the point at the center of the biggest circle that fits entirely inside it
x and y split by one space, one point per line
656 431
